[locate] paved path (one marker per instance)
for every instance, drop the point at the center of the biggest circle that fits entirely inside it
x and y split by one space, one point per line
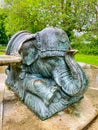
2 88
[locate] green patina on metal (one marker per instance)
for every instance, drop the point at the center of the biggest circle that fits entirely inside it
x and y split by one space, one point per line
48 79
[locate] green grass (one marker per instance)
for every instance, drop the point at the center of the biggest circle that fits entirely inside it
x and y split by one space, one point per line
2 48
1 53
90 59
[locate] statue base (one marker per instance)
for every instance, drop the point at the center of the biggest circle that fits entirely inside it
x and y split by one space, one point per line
74 118
44 112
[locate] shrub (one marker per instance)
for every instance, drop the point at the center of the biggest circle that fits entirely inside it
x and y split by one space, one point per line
86 44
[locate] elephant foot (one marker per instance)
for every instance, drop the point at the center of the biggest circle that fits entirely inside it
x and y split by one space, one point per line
37 106
16 88
42 110
41 89
49 95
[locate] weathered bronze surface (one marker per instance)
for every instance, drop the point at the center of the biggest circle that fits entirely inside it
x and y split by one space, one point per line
47 79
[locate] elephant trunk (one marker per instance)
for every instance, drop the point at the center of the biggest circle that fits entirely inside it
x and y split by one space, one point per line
71 77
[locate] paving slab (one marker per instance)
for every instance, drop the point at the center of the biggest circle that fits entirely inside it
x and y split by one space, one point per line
1 115
5 94
94 125
92 94
2 87
84 65
93 78
18 117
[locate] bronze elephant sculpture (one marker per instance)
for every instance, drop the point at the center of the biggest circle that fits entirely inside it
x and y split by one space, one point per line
48 79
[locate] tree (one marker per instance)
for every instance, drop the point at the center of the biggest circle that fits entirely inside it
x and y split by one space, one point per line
34 15
3 36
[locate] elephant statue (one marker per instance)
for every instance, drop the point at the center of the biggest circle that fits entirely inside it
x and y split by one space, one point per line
48 79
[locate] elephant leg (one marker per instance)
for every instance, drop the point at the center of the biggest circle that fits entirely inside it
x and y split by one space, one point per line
36 105
40 89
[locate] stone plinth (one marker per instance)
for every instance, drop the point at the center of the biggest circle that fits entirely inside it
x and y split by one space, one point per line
18 117
2 87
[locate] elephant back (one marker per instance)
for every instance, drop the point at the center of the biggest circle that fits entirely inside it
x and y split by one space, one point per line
17 40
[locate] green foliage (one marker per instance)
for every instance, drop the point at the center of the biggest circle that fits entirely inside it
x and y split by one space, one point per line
3 37
34 15
86 44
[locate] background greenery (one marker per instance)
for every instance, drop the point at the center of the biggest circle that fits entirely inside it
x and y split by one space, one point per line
70 15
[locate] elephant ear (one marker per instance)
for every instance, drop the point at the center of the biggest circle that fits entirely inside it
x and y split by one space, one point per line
31 57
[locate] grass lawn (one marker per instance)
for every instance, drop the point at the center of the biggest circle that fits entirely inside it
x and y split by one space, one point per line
2 48
90 59
1 53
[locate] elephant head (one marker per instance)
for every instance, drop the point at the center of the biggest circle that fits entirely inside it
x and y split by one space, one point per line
55 59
